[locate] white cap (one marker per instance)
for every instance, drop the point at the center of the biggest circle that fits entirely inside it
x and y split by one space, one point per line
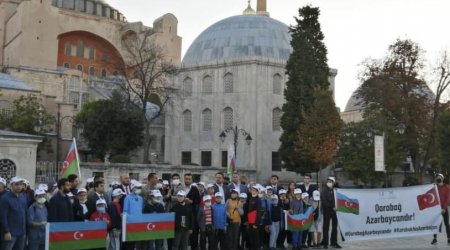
206 197
43 187
282 191
194 184
39 192
69 194
269 187
100 201
255 187
115 183
210 185
243 195
440 175
274 197
16 179
116 192
234 190
2 181
81 190
304 195
27 182
156 193
90 180
331 178
297 191
165 182
316 195
135 184
202 183
181 193
218 194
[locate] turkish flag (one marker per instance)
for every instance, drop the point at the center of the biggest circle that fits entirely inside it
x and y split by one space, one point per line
428 199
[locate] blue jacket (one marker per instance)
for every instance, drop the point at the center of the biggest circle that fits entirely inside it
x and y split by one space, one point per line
36 214
266 209
13 211
133 204
219 216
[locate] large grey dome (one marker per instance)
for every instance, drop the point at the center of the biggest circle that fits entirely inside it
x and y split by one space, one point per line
241 37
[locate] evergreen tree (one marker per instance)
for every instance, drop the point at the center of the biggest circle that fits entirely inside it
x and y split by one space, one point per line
307 69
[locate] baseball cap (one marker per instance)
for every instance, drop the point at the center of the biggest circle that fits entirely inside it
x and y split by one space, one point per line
16 179
90 180
297 191
100 202
218 194
234 190
156 193
207 198
116 192
81 190
316 195
210 185
440 176
43 187
331 179
274 197
202 183
115 183
269 187
2 181
165 182
181 193
135 184
304 195
39 192
282 191
243 195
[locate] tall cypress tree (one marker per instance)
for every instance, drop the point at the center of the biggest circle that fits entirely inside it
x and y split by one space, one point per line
307 69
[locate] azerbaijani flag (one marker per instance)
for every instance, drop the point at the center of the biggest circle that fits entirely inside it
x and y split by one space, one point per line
71 164
231 168
75 235
346 204
299 222
143 227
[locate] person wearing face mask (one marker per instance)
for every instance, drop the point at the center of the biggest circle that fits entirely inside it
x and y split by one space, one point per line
315 230
59 207
154 205
115 212
133 205
205 224
329 214
254 218
444 196
265 215
80 209
276 216
184 220
296 207
2 187
101 215
36 220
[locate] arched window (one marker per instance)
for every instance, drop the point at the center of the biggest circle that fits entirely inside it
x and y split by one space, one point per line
91 71
276 119
7 169
187 121
80 49
207 119
207 85
104 73
187 86
277 84
80 67
92 53
67 65
228 118
5 108
68 49
228 83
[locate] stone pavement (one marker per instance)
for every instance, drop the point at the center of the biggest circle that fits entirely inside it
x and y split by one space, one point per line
411 243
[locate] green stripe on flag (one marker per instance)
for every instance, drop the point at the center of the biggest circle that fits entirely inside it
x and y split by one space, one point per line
347 210
71 169
78 244
293 228
149 235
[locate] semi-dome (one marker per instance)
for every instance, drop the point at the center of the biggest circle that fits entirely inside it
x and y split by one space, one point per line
10 82
239 38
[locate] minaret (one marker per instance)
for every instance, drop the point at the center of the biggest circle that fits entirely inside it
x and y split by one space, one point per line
249 10
261 8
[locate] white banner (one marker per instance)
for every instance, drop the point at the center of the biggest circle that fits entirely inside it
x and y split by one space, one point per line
366 214
379 153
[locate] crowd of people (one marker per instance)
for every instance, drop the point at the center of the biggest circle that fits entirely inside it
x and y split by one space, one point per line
216 215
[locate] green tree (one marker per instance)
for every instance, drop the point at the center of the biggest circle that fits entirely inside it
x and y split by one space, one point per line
318 135
394 92
443 140
307 69
112 126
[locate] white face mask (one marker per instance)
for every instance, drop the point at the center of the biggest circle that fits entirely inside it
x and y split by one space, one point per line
176 182
41 200
137 191
330 184
207 204
261 195
157 200
158 186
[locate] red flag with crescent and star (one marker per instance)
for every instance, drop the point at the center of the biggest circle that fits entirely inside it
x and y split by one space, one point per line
428 199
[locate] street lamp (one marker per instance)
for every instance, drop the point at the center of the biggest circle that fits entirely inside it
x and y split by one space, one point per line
236 133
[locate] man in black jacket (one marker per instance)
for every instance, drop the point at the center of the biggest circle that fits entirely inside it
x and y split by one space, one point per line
220 187
184 220
307 187
193 199
329 213
59 207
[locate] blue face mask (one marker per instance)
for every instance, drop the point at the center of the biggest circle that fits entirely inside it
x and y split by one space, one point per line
101 210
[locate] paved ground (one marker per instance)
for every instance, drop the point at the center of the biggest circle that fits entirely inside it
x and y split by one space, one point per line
411 243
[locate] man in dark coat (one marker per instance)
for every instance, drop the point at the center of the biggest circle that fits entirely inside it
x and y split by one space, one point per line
329 213
220 187
59 207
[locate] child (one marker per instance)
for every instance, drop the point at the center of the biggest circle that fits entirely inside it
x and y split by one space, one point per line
115 212
101 215
220 222
276 216
234 213
37 219
205 223
154 205
265 216
305 234
244 224
254 218
296 207
184 221
284 205
80 209
316 229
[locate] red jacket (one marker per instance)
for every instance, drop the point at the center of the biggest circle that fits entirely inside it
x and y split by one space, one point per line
444 195
96 216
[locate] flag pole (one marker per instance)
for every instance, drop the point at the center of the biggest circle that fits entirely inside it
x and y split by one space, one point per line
78 159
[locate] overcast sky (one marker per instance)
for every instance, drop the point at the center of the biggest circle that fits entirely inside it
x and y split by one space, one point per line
353 29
